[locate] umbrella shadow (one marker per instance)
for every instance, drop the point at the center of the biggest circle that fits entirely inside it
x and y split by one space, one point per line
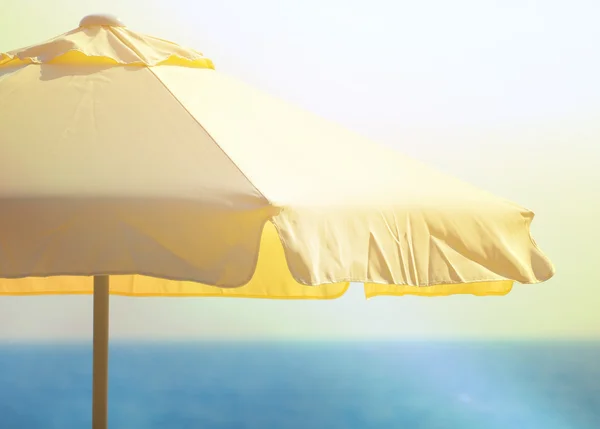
7 71
50 72
57 71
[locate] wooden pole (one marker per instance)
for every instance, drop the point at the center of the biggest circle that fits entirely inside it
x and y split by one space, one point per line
100 375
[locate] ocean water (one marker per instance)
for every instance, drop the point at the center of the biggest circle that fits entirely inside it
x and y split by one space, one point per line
307 386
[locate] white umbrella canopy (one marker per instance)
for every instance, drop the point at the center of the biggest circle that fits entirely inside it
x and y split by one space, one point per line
126 155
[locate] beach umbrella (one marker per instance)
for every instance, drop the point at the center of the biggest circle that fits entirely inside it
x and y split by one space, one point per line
129 156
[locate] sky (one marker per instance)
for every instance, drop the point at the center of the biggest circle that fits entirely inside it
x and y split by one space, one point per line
505 95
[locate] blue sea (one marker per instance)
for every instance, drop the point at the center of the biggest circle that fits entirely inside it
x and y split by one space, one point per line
295 385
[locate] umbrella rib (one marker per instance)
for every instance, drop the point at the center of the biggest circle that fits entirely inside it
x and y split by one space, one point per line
210 136
141 56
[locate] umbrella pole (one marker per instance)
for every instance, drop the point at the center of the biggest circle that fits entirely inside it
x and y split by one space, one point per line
100 377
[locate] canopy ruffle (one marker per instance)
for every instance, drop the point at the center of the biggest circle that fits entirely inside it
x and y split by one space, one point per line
272 279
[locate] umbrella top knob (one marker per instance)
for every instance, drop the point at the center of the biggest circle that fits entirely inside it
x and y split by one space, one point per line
101 20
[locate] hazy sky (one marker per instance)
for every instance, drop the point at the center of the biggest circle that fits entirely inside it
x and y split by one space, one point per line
503 94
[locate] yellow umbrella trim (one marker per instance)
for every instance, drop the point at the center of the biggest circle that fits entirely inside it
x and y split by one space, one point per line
272 279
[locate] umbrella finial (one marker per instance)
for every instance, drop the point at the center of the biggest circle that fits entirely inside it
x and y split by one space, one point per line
101 20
